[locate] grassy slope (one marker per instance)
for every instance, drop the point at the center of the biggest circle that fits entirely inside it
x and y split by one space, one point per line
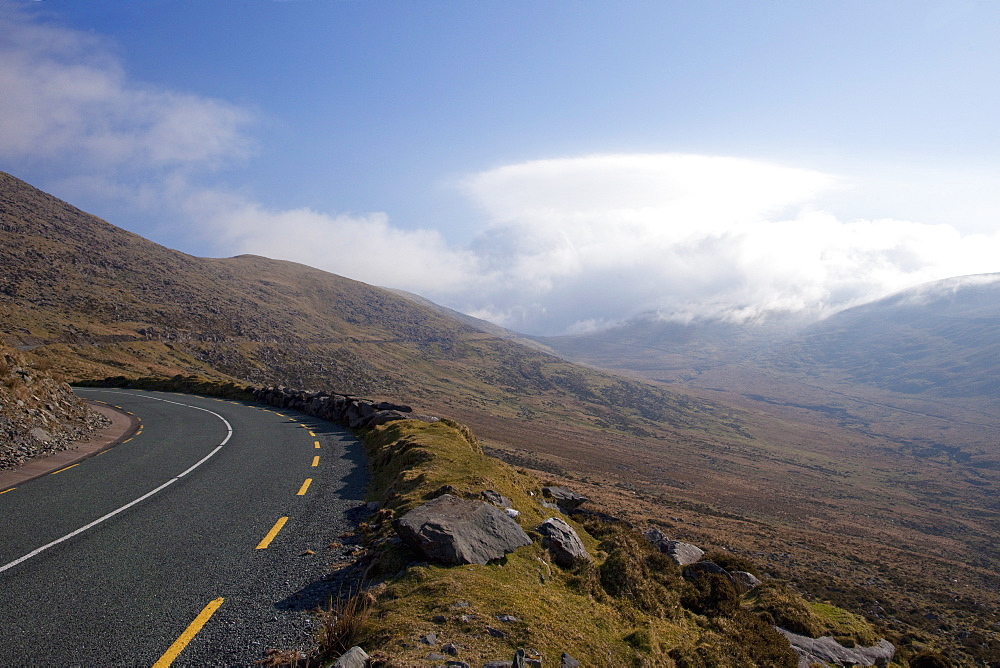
582 611
98 301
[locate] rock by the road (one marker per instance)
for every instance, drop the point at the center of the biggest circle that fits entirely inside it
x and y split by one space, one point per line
455 531
352 658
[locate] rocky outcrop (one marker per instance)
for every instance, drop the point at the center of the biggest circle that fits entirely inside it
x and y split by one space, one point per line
682 553
566 499
39 415
826 650
563 542
450 530
344 409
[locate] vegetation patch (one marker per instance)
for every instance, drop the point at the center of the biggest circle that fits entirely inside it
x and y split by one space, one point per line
628 607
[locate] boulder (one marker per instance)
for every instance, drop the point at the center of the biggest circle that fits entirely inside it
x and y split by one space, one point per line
563 542
682 553
565 498
450 530
352 658
826 650
744 581
566 661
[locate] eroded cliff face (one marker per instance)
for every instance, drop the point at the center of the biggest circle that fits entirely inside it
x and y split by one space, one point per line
39 415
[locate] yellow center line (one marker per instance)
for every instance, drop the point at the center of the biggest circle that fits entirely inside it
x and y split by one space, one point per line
126 441
279 415
315 444
262 545
311 434
189 633
8 490
305 486
316 460
66 469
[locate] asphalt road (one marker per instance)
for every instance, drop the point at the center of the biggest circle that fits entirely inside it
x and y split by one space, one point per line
126 589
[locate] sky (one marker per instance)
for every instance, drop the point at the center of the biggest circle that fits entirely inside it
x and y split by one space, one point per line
554 167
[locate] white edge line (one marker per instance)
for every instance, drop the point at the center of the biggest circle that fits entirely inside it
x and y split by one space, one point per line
145 496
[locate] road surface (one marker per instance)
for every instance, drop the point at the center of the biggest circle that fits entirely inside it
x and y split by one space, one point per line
171 547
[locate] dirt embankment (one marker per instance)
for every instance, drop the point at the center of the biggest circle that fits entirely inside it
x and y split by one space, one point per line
39 415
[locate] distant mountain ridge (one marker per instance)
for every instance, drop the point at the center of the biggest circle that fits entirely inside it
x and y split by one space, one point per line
939 339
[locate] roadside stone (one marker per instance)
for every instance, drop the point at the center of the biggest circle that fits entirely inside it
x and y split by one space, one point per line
565 498
352 658
562 542
450 530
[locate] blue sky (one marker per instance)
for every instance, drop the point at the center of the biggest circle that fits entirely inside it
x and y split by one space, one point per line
553 166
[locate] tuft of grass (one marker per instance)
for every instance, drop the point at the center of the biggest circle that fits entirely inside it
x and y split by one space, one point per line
343 624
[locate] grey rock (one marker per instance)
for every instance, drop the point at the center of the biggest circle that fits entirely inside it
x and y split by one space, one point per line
458 664
565 498
450 648
434 656
450 530
429 639
566 661
381 417
352 658
828 650
508 619
496 633
497 499
744 581
563 542
519 659
497 664
682 553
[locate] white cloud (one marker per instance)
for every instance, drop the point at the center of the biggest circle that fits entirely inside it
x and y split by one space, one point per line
593 240
363 247
67 98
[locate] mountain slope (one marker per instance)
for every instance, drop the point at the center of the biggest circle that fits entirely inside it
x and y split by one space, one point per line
97 301
939 339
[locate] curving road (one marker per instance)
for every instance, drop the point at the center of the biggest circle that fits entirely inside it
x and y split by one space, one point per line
170 547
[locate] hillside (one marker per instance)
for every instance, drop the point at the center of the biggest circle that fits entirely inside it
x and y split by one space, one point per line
846 513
